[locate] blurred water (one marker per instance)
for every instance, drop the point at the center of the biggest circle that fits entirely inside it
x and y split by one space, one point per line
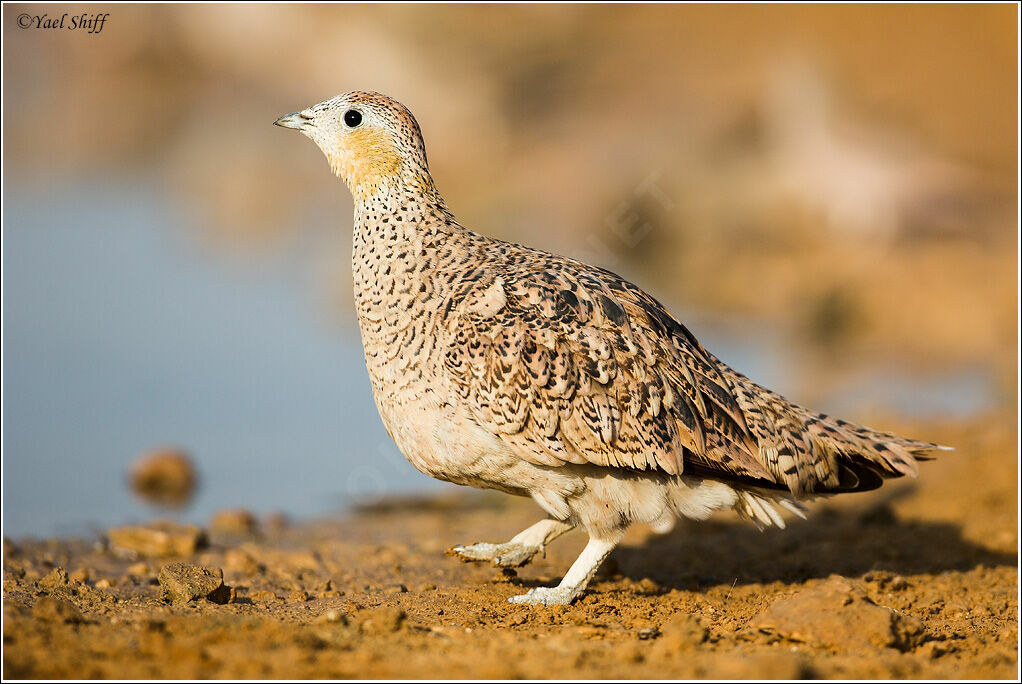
122 333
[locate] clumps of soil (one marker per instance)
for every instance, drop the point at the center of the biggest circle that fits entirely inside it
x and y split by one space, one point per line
157 539
184 582
836 614
51 609
235 522
925 589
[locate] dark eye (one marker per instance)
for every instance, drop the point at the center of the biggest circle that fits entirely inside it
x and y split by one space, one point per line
352 118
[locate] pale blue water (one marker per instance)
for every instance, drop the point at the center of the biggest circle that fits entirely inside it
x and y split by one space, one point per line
121 332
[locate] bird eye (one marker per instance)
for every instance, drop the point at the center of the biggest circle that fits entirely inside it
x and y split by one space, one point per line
352 118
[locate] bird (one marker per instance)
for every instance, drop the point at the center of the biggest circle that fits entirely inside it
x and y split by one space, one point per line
497 365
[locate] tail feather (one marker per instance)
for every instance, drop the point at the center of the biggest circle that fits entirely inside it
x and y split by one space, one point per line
812 453
891 455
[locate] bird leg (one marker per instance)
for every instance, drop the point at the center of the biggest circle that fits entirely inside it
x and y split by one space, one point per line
520 550
578 575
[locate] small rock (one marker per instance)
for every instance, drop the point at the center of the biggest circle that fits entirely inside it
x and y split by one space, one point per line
165 477
332 617
138 570
934 649
428 586
236 522
383 620
648 633
957 608
647 587
297 596
57 579
395 589
682 632
56 610
81 575
263 596
161 538
103 584
836 614
237 560
898 583
184 582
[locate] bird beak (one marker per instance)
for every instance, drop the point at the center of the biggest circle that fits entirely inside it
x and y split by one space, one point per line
296 120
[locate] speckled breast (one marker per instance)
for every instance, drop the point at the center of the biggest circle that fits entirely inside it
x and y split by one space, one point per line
399 296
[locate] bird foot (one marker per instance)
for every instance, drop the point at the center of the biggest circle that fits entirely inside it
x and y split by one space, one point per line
547 596
509 555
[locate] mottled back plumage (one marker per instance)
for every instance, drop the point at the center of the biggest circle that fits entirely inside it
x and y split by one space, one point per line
573 364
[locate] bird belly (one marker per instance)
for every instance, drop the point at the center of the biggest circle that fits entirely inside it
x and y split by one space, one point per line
429 434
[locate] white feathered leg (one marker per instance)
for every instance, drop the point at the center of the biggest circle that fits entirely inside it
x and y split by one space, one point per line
578 576
522 547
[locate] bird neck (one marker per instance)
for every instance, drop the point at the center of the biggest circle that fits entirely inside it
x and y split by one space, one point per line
406 257
404 206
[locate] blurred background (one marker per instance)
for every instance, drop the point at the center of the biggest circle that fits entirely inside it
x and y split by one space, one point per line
826 195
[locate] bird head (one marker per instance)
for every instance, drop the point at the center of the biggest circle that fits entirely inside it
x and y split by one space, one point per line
372 142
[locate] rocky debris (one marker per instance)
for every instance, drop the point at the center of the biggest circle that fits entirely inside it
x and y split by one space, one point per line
57 579
647 633
235 522
263 596
285 562
838 615
238 560
682 632
139 570
184 582
161 538
56 610
935 649
382 620
165 477
646 587
332 617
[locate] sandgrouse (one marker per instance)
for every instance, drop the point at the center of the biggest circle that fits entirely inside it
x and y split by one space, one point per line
501 366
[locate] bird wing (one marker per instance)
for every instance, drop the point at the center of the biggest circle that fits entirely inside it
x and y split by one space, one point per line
572 364
569 363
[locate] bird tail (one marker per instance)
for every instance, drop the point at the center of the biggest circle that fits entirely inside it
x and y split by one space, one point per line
864 456
813 453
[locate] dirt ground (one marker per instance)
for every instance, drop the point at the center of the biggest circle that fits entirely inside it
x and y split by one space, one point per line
918 580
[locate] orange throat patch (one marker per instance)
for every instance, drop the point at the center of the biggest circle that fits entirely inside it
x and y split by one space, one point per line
367 160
